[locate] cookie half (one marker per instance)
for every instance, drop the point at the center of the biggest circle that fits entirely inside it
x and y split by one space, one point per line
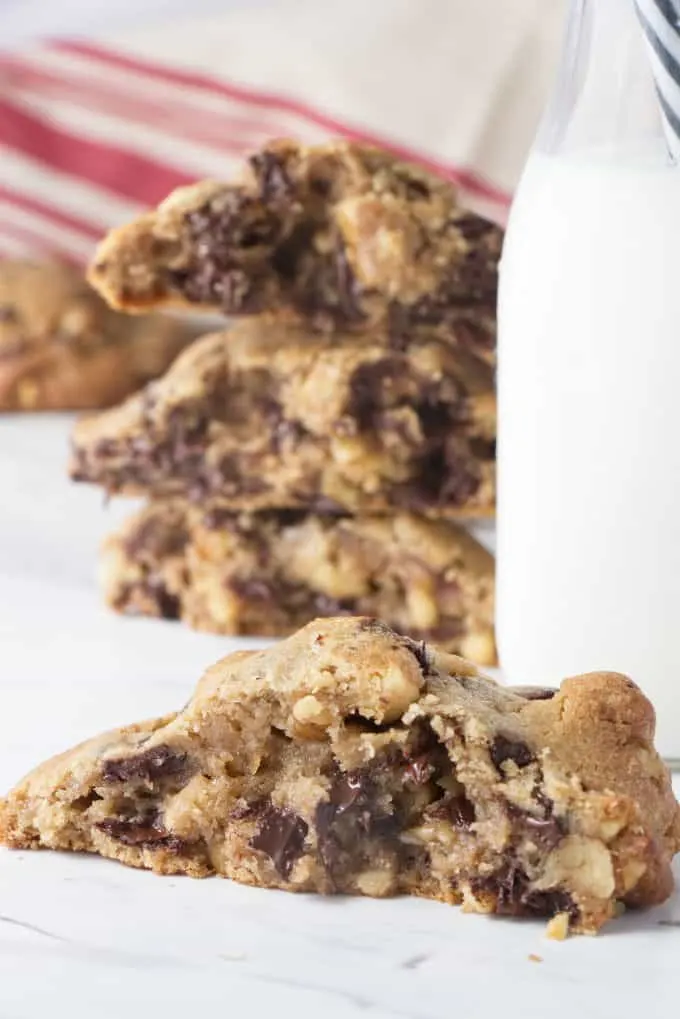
340 235
274 416
351 759
62 348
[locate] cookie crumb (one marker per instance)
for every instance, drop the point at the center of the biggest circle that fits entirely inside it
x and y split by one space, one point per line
558 927
535 958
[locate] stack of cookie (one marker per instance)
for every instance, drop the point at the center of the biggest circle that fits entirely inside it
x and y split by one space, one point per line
312 459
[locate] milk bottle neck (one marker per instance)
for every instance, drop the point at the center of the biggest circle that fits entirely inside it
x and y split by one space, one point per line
604 97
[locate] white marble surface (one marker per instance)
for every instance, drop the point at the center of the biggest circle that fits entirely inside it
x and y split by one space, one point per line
84 937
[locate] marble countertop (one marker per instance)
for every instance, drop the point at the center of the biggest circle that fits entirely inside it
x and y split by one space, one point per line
81 936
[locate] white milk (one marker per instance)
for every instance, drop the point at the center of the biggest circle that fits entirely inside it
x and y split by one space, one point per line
589 432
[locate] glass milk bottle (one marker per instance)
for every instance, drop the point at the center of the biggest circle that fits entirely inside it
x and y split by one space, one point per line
589 371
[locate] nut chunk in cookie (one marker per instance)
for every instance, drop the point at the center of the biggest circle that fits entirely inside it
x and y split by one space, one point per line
269 573
350 759
339 234
62 348
273 416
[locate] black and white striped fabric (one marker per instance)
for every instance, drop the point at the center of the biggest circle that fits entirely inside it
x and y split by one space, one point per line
660 20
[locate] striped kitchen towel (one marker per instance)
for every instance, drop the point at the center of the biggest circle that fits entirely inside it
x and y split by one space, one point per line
93 130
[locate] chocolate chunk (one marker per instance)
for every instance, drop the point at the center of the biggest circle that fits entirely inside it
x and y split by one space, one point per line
418 648
421 653
224 232
273 180
447 476
514 897
549 903
482 449
217 519
157 538
329 845
472 277
230 474
459 479
169 605
320 186
298 598
399 327
504 749
287 258
437 415
474 227
425 758
545 831
283 518
254 589
152 764
533 693
232 221
143 832
281 836
420 769
346 791
85 802
244 525
416 189
457 809
543 801
366 724
8 313
378 389
287 433
366 386
473 337
246 810
349 308
106 448
372 387
352 814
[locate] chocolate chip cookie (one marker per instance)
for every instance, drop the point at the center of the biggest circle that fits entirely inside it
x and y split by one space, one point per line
62 348
274 416
269 573
342 235
350 759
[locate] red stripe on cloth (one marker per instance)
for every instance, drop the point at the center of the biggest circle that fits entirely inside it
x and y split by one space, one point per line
38 243
118 170
51 213
221 132
466 178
